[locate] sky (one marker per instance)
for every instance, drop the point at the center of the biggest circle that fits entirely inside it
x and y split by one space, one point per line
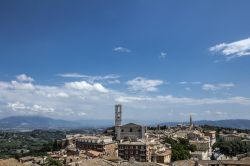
162 60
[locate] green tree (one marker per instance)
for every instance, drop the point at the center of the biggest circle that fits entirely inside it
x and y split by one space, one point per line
180 148
52 162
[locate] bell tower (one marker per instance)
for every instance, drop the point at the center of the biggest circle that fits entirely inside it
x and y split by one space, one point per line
118 121
191 125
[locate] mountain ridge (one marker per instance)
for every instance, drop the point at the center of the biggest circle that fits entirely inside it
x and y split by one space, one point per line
41 122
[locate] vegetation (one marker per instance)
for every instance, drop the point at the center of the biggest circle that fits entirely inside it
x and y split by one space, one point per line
180 148
218 129
52 162
232 148
35 143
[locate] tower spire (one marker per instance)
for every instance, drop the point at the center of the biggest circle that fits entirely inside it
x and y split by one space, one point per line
191 121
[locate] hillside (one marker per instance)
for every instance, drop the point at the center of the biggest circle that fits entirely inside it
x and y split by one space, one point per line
230 123
35 122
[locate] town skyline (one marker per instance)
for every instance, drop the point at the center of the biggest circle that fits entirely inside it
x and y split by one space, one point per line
161 60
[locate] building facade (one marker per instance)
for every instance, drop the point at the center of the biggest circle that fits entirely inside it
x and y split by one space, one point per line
138 150
102 144
128 131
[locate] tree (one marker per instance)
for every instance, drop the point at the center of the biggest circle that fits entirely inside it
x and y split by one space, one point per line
192 148
52 162
180 148
232 148
55 146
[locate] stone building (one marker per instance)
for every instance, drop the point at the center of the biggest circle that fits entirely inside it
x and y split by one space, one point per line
199 155
103 144
201 145
132 131
128 131
138 150
229 137
211 135
144 151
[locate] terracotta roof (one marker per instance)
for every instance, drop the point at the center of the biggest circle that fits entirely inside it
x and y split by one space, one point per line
94 153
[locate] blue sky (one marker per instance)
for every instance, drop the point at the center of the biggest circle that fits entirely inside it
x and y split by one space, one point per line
161 59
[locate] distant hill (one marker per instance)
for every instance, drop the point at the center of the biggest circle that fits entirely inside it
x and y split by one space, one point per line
38 122
35 122
230 123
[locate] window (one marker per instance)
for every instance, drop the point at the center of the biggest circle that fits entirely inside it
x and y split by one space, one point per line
131 130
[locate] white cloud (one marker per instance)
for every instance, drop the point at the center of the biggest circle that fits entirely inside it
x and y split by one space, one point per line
24 78
81 113
39 108
16 85
220 113
188 89
21 86
162 55
17 106
122 49
72 100
214 87
186 82
127 99
60 94
141 84
169 99
183 82
233 50
83 85
110 78
4 85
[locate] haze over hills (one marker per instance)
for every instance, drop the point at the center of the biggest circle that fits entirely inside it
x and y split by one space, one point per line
39 122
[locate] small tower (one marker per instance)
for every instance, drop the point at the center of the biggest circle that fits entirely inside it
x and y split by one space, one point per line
118 121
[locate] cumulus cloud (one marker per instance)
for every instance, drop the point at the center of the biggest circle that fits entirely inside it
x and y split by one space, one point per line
214 87
24 78
16 85
140 84
17 106
169 99
75 100
59 94
233 50
122 49
83 85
